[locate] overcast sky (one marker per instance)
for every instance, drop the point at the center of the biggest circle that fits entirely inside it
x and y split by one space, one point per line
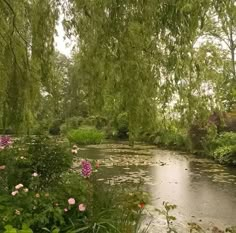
62 44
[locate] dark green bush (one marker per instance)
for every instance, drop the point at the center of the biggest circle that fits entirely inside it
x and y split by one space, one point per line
54 129
49 159
85 135
198 135
97 121
168 138
17 166
122 125
223 148
41 155
172 139
71 123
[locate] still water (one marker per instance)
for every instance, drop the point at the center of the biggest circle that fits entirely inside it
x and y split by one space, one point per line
204 192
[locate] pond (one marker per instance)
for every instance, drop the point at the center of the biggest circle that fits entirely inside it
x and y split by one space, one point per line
204 192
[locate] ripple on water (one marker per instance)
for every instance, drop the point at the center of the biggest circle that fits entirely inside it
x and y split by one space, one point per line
197 185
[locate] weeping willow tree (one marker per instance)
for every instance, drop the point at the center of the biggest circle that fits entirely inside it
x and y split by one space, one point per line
138 57
136 54
26 38
222 28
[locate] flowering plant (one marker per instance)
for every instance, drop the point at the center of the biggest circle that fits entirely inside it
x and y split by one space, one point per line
86 168
5 141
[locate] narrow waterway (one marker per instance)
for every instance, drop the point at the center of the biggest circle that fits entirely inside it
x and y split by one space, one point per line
204 192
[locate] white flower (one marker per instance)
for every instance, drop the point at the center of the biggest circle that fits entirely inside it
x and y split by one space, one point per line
35 174
19 186
17 212
26 190
74 151
14 193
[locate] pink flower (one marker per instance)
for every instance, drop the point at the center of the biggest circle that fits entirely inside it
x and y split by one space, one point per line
71 201
81 207
14 193
35 174
19 186
2 167
86 168
5 141
65 210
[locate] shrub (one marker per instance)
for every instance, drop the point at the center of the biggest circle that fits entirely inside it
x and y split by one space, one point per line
41 155
49 159
85 135
110 132
16 164
98 122
168 138
223 148
54 129
197 135
122 125
76 204
101 122
71 123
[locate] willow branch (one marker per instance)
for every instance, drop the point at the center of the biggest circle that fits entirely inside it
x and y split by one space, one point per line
14 21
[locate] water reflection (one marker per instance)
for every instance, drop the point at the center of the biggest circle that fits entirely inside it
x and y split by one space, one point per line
204 192
189 183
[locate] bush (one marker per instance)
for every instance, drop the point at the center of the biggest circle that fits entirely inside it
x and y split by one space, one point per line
71 123
223 148
54 129
197 135
41 155
85 135
122 125
49 159
17 166
169 138
76 204
110 132
98 122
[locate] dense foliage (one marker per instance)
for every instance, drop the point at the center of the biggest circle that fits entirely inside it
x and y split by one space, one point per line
85 135
150 70
224 148
156 62
53 197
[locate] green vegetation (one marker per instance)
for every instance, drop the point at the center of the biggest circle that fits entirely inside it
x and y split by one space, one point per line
40 155
85 135
224 148
162 72
142 73
51 197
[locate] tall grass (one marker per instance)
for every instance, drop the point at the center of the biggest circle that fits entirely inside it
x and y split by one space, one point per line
85 135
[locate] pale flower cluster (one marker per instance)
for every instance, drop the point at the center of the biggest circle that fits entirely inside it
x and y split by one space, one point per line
17 189
75 149
71 201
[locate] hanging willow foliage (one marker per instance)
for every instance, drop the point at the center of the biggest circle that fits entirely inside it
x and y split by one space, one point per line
137 52
26 37
139 57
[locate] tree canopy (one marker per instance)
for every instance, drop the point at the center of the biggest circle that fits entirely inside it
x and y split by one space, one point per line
150 59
